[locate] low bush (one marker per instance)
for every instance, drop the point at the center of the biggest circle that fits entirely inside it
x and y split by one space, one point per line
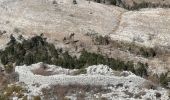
141 69
102 40
163 79
8 68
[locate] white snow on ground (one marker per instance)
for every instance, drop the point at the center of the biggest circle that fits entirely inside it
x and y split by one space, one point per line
96 75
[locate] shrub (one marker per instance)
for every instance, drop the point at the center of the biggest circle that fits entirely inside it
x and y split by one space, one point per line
113 2
147 52
100 40
54 2
141 69
8 68
164 79
74 2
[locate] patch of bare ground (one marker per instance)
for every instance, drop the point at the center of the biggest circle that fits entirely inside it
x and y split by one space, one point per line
42 71
149 85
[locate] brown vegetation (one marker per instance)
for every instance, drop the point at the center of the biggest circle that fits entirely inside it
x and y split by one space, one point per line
42 71
61 91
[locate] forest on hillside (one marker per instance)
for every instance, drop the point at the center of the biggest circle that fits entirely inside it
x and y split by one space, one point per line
37 49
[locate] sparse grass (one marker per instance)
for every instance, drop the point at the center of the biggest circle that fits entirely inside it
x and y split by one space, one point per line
135 49
131 47
154 78
36 98
9 90
3 97
8 68
80 71
61 91
161 80
149 85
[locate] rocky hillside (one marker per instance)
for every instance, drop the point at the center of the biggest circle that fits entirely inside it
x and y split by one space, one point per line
122 35
124 85
63 17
